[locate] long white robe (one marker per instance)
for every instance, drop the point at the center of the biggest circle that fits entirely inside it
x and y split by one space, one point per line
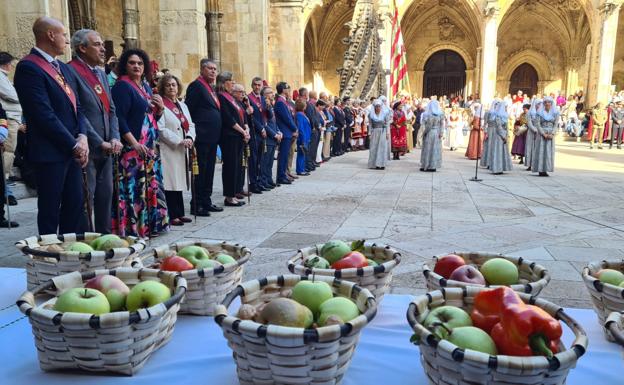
431 152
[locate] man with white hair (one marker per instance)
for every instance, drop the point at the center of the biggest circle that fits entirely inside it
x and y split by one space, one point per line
102 128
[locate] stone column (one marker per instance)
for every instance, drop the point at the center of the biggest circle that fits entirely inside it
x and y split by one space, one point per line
317 78
214 18
468 89
182 37
601 72
477 73
572 76
419 78
285 46
385 13
130 24
489 52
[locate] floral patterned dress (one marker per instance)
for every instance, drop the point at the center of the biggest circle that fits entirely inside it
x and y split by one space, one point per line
398 132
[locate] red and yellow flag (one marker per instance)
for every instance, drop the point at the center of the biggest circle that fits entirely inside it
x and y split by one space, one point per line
399 80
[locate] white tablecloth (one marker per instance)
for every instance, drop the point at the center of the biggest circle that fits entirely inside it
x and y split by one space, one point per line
198 352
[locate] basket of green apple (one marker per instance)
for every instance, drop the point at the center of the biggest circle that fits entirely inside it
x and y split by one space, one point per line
605 282
212 269
486 269
52 255
295 329
103 321
493 336
367 264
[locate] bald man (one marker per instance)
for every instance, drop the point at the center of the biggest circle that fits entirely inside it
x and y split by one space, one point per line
57 141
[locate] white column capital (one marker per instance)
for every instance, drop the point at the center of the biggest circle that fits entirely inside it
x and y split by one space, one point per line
609 7
491 10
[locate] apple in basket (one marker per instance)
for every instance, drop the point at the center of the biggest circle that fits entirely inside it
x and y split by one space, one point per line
80 247
470 337
312 294
354 259
499 271
447 264
224 258
286 312
611 276
146 294
108 241
444 318
112 287
175 263
82 300
339 309
468 274
193 254
334 250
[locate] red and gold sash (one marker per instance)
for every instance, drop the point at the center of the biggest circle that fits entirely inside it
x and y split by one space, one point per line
54 74
241 112
96 85
177 111
255 100
144 94
288 105
210 90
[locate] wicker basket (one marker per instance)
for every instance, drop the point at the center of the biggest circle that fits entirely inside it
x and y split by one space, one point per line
532 277
119 342
615 327
445 363
269 354
606 298
206 287
43 265
376 279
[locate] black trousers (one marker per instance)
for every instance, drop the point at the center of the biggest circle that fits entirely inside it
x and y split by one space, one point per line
206 158
60 197
616 134
346 144
312 149
255 153
232 155
175 204
415 136
337 142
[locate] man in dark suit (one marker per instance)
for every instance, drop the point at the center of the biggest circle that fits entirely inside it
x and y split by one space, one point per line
273 138
102 129
57 129
314 118
203 104
284 117
349 122
339 123
258 138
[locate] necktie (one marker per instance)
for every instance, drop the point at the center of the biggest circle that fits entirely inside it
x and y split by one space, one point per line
56 66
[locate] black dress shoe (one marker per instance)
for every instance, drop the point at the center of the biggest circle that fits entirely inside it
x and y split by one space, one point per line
201 212
317 164
303 173
255 190
214 209
5 224
12 200
186 220
231 204
283 181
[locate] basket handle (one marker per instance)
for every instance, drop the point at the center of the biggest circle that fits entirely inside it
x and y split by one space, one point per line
613 326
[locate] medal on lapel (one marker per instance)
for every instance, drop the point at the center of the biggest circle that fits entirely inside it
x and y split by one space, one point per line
176 111
98 89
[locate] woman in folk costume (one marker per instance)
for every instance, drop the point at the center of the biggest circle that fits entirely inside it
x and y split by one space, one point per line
475 142
398 131
499 159
489 124
543 158
433 122
455 135
177 133
357 140
378 155
520 133
532 119
142 205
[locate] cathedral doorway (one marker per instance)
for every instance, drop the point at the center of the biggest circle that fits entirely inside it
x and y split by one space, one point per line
524 78
445 74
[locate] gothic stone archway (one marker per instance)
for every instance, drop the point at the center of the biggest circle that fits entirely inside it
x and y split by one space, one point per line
445 74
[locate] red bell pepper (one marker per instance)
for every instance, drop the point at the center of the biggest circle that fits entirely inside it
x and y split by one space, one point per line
489 305
352 260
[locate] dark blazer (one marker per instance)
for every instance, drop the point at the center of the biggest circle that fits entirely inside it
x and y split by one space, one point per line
53 125
339 118
313 115
101 127
271 126
130 108
204 113
229 117
348 113
257 119
285 120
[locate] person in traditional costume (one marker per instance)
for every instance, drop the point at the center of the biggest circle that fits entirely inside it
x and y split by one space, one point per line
177 133
378 155
142 201
475 141
536 107
543 157
454 135
433 127
599 119
499 159
520 132
617 123
489 124
398 131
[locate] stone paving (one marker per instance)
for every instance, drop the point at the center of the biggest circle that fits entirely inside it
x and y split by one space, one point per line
562 222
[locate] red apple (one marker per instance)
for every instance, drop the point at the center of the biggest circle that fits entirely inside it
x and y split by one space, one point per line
175 263
112 287
468 274
447 264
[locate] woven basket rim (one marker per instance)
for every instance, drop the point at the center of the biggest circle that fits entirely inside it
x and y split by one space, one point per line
524 288
309 335
597 284
27 308
109 254
579 345
299 268
244 258
613 325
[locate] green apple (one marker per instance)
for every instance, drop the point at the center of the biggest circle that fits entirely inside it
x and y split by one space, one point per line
372 262
499 271
113 288
193 254
97 241
80 247
112 244
207 264
286 312
332 251
621 284
82 300
146 294
444 318
611 276
470 337
312 294
316 262
225 258
342 307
